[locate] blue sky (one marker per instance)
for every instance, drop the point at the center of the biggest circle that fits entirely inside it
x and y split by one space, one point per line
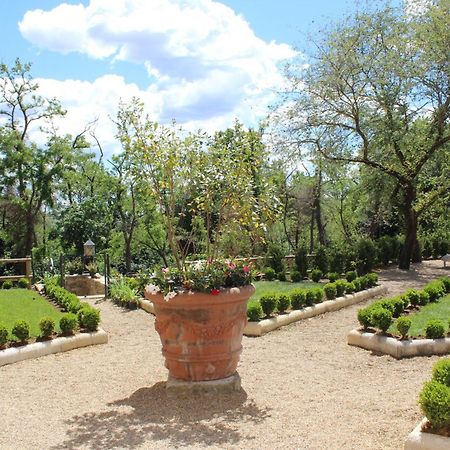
201 62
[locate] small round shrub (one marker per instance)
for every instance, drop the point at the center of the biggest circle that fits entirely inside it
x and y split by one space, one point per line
382 318
434 329
398 306
47 327
21 330
330 291
365 318
434 401
413 297
298 298
3 335
283 302
269 274
424 298
340 287
349 287
310 297
433 292
318 294
446 284
351 275
441 371
403 325
23 283
364 282
358 284
8 284
88 318
316 275
296 276
387 303
254 312
268 303
68 323
332 276
281 276
372 279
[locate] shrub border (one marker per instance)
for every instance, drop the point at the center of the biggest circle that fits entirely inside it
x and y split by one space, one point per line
418 440
256 329
396 348
12 355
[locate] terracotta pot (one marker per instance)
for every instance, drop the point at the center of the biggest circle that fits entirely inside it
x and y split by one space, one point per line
201 334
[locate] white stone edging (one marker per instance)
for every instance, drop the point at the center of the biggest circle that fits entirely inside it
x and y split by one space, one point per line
418 440
60 344
397 348
264 326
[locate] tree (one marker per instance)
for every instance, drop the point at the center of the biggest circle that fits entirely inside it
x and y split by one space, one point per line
377 93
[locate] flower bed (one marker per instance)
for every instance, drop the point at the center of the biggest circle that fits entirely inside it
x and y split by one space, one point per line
377 319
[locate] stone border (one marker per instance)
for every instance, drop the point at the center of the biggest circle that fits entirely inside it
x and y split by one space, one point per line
57 345
181 387
418 440
262 327
396 348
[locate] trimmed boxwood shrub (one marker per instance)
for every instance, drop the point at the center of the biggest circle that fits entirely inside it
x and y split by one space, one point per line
358 284
296 276
3 335
281 276
403 325
371 279
88 318
446 284
433 292
254 312
398 306
382 318
310 297
365 318
434 402
330 291
8 284
349 287
268 303
340 287
351 275
332 276
434 329
441 371
316 275
68 323
413 297
318 294
23 283
298 298
269 274
21 330
47 327
283 302
424 298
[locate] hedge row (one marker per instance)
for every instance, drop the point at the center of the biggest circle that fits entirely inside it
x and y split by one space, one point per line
21 283
87 317
380 314
300 298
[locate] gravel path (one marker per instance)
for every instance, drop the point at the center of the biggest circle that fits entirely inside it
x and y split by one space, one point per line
303 387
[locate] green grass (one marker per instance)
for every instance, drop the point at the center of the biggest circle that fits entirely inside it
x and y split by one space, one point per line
439 310
23 304
280 287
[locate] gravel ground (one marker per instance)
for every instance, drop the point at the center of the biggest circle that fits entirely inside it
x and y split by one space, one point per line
303 387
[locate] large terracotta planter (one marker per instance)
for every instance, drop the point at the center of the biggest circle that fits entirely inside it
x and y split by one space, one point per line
201 334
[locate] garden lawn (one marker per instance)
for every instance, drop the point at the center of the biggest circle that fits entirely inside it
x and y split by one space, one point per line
439 310
23 304
279 287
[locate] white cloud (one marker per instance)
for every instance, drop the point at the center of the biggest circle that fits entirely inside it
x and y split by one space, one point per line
205 64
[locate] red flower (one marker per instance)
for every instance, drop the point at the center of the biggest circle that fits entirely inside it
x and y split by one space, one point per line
215 292
246 269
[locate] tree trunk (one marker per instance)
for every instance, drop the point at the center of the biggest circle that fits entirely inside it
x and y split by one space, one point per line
317 207
127 241
410 229
29 235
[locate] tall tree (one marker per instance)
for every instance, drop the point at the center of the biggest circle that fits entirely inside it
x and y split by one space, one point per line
377 93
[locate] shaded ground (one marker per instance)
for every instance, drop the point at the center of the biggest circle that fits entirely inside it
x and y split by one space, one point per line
303 387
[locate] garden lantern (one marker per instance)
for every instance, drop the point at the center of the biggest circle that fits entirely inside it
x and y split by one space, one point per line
88 251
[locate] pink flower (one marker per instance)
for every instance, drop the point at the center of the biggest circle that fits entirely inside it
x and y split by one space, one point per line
246 269
231 265
215 292
165 270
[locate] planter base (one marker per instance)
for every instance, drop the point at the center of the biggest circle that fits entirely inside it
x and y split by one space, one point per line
181 387
418 440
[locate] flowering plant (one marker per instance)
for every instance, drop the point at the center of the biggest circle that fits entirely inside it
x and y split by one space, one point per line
203 276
